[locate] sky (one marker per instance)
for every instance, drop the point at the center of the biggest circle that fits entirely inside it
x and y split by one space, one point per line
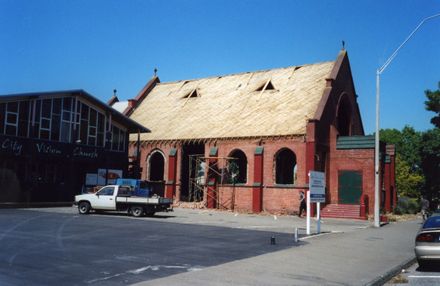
101 45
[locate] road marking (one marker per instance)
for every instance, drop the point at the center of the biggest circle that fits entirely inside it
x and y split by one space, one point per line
417 276
143 269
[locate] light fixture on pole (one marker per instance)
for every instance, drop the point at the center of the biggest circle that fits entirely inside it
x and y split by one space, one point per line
376 145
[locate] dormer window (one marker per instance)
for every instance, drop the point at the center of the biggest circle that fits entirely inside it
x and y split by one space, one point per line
266 86
192 94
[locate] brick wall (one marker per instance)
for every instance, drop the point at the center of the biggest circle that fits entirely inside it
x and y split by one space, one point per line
275 198
361 160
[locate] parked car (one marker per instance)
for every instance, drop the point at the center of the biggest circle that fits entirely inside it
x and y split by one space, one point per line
427 246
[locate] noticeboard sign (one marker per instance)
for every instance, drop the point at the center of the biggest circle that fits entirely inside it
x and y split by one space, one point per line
317 187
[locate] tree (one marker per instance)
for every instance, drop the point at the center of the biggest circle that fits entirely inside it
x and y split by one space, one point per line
391 136
408 182
410 146
407 141
430 149
433 104
409 176
430 155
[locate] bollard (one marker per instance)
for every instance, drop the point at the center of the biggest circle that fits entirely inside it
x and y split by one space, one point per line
272 240
295 238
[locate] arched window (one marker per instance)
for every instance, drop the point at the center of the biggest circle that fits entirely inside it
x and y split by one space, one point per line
238 167
156 166
285 167
344 117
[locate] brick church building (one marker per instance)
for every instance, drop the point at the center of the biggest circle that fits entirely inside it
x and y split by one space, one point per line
246 142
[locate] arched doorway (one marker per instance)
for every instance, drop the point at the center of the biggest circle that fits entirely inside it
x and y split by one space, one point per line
238 167
156 166
285 167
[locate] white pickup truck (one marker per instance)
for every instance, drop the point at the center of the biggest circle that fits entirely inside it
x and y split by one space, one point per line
120 198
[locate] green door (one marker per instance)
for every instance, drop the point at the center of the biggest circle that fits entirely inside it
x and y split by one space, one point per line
350 187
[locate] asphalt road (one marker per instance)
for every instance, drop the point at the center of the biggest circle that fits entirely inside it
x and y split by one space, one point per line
50 248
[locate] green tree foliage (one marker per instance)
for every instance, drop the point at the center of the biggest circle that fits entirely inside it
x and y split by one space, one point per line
391 136
433 104
408 182
408 143
430 149
430 155
409 176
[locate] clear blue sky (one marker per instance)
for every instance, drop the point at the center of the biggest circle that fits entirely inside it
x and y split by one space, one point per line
101 45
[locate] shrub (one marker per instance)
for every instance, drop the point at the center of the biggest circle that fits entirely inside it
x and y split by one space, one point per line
407 205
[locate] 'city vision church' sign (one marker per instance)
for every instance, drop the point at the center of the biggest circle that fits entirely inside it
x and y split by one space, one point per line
29 147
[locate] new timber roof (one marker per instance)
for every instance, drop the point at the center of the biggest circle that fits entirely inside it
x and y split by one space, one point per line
276 102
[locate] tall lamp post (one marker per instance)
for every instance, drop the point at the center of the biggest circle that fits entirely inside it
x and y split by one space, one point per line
376 154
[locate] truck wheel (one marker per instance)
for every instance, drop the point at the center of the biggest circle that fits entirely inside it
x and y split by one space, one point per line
149 213
137 211
84 208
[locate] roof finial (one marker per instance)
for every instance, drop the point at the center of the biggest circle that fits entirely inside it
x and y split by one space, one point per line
343 45
155 72
114 92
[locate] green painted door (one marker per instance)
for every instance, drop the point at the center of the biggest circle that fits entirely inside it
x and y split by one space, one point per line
350 187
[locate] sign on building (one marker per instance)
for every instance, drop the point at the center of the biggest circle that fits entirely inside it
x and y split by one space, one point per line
317 187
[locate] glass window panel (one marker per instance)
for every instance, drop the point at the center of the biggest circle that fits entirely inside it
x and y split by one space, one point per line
23 119
12 106
44 134
92 141
93 115
22 128
66 116
56 106
121 140
92 131
100 139
46 108
100 122
83 131
38 111
11 118
67 103
84 112
35 130
75 133
45 123
24 109
65 132
11 130
55 130
115 138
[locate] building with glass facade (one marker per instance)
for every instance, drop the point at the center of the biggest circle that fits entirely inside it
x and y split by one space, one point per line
51 142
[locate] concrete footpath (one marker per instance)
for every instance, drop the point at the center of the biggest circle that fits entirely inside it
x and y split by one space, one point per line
349 253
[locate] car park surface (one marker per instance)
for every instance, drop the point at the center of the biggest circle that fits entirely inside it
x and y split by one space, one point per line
49 248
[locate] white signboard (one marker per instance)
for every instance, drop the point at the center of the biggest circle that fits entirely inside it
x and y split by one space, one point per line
317 187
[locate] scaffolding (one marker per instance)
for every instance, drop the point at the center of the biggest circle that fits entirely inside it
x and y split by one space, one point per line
201 169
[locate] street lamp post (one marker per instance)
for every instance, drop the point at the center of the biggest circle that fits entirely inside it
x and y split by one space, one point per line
376 153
